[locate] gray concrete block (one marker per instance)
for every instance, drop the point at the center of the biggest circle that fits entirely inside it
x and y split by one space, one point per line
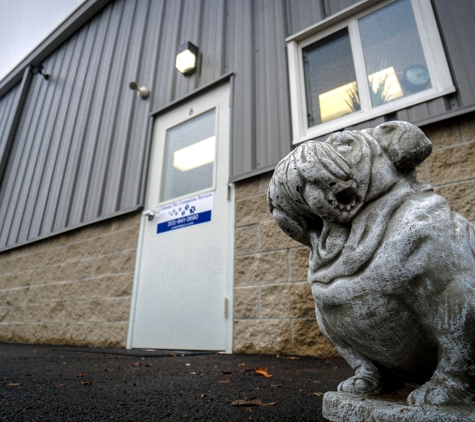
345 407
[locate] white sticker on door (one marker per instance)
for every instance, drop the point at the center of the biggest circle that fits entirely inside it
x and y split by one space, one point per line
186 213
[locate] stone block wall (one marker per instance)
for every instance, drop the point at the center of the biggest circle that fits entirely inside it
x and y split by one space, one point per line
74 288
451 166
273 305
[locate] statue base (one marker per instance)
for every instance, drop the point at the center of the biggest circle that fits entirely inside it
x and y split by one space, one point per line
346 407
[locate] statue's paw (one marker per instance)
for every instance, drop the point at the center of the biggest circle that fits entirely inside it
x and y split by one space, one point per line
440 394
361 385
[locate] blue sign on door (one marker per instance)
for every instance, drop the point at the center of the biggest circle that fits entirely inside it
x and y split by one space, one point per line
186 213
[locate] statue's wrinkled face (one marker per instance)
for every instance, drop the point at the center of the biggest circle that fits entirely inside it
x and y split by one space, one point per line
334 175
321 183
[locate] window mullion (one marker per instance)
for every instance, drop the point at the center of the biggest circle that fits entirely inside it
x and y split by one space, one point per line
360 68
297 91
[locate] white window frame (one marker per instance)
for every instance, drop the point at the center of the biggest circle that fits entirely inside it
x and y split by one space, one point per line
433 51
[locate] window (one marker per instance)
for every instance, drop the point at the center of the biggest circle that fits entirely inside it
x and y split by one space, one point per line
189 159
361 64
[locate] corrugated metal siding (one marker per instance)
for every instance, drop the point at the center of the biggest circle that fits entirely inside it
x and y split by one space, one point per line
273 130
241 39
301 14
81 149
332 7
82 133
8 104
457 26
261 111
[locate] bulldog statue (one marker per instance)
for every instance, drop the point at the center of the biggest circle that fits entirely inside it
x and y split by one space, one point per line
392 268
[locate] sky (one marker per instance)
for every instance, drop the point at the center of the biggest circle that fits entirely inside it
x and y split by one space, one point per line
25 23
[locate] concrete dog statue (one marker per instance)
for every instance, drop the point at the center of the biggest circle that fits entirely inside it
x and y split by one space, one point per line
392 268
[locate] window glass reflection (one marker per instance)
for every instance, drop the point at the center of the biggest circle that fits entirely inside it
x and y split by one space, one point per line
330 81
393 55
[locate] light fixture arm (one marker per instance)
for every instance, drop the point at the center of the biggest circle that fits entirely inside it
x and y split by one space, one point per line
39 69
142 92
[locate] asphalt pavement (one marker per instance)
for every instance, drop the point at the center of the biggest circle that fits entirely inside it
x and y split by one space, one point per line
60 383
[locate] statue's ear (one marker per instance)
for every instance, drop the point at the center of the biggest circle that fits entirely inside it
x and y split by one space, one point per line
405 144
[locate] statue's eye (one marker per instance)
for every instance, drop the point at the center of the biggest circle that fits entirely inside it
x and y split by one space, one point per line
343 148
343 142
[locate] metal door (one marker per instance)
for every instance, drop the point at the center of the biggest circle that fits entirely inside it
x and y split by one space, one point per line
183 283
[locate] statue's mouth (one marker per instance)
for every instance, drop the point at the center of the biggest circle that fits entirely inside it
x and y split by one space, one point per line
344 200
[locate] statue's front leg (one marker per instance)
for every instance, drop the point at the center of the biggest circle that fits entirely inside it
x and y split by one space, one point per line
367 378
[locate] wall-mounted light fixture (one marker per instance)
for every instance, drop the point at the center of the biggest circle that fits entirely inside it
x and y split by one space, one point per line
187 58
142 92
39 69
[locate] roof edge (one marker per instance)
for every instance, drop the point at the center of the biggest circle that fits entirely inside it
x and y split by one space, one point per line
73 23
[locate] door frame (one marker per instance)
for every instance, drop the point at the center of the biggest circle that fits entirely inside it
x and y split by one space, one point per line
229 285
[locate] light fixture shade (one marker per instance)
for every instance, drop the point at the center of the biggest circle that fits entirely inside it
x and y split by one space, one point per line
187 58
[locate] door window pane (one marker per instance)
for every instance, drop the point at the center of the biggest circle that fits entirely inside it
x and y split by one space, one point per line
330 80
393 55
190 156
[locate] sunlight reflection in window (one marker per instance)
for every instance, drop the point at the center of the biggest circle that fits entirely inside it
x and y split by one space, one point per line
337 102
384 87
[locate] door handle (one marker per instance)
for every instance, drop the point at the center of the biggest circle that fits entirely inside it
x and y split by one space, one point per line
150 214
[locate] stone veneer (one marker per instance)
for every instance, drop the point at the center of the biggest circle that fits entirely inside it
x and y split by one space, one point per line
273 305
451 166
74 288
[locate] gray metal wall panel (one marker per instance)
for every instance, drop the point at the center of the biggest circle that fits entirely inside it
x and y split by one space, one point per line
423 111
240 55
273 131
27 204
165 76
81 132
261 116
457 26
19 171
82 144
84 134
303 13
213 36
109 112
331 7
42 218
71 124
119 154
131 183
8 104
